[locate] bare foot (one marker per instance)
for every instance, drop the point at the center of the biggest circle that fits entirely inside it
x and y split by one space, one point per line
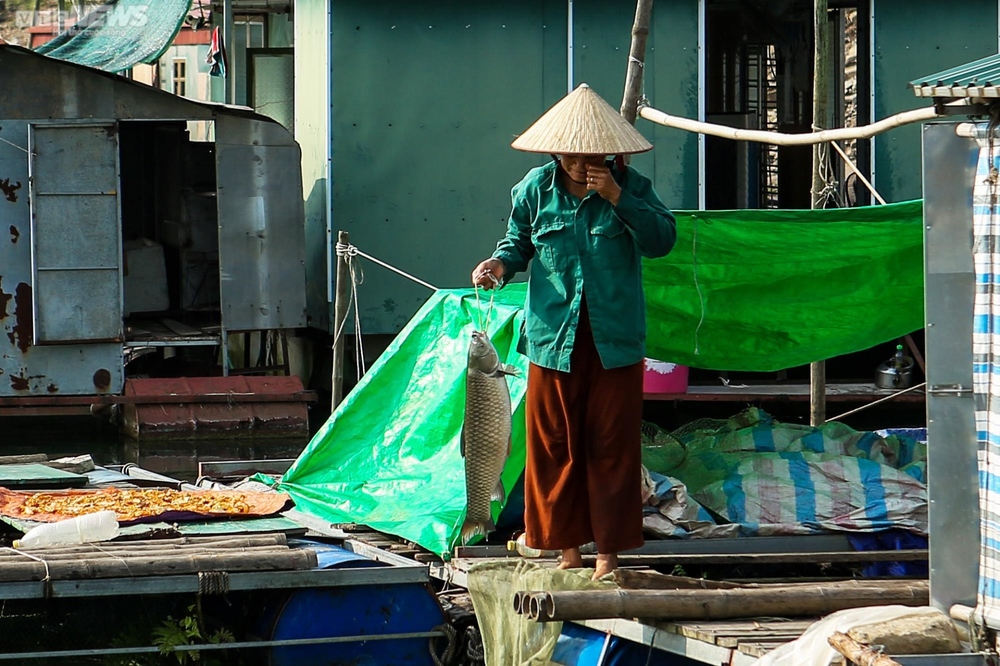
605 565
571 559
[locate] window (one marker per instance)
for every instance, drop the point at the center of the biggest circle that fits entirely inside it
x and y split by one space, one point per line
180 77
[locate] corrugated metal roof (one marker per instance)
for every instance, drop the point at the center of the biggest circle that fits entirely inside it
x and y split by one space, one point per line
979 78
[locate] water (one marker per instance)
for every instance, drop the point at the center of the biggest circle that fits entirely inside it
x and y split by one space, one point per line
73 436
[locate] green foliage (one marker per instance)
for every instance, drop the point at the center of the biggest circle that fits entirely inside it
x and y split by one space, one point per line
172 633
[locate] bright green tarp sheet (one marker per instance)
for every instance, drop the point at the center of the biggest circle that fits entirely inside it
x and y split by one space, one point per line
782 288
774 289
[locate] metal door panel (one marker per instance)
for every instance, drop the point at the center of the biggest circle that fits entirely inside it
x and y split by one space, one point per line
75 233
67 234
261 236
949 169
81 159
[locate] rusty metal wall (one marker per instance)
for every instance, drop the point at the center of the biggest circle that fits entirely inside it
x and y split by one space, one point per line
27 369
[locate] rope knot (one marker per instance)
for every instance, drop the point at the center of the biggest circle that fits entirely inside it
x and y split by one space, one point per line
213 582
346 250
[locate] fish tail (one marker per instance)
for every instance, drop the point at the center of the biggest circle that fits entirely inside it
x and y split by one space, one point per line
473 528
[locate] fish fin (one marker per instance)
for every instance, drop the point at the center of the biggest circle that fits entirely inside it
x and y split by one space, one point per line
509 370
499 494
471 529
504 370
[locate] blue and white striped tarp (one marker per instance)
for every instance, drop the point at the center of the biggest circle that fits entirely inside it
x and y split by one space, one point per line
986 375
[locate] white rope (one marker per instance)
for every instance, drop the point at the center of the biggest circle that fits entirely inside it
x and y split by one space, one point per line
10 143
854 168
37 559
871 404
347 253
352 250
479 305
697 286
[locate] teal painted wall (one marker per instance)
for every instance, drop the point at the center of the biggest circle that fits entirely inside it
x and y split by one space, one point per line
913 39
427 98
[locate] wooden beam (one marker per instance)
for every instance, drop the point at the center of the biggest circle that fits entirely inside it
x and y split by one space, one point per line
636 60
765 601
859 654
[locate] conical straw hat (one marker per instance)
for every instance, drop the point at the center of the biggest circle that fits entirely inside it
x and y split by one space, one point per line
582 123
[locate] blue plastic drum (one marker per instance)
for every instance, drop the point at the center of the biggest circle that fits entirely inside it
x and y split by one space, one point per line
359 610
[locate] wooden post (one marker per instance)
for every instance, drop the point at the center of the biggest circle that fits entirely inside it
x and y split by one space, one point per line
340 303
859 654
821 56
636 60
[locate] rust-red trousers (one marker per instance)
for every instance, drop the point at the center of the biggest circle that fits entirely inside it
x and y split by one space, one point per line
583 473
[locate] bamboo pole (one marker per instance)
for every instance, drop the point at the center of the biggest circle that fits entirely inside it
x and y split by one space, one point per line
636 60
118 567
166 554
650 580
340 304
859 654
821 62
783 139
228 541
773 601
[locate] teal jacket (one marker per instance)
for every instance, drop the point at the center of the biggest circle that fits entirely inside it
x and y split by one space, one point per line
584 245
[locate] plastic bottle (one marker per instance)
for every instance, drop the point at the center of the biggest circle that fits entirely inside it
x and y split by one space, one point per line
100 526
899 361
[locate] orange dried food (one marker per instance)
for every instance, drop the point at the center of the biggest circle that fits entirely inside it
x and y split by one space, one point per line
133 504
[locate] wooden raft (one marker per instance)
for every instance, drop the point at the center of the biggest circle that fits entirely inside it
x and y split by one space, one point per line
164 557
751 637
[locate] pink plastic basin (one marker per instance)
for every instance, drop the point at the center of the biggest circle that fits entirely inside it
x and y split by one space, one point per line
663 377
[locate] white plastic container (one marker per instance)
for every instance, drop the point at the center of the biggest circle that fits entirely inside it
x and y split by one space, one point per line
100 526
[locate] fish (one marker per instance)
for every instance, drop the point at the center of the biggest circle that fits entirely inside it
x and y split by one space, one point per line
486 434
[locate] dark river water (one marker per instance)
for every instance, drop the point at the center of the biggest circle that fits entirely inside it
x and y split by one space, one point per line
73 436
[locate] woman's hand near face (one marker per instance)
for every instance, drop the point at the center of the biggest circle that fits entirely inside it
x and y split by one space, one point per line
600 180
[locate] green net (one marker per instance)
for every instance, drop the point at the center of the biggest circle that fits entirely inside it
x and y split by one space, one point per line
778 289
120 34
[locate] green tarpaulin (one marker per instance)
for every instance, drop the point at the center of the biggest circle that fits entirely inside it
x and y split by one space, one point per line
120 34
389 455
751 290
765 290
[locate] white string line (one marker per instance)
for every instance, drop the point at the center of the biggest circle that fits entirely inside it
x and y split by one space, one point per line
697 286
37 559
347 253
871 188
10 143
479 306
351 250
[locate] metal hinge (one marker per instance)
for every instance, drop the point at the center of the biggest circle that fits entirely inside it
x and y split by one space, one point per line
949 390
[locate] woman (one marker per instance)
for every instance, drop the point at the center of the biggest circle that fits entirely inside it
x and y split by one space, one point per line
587 222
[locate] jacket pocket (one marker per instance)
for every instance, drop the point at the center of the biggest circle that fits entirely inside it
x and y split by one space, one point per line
553 241
610 243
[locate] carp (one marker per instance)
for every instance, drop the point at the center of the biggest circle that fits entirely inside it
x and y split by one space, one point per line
485 434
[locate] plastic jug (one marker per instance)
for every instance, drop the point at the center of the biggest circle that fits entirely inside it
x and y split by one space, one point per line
100 526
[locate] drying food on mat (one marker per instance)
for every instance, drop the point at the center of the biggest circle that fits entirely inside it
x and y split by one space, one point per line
138 504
